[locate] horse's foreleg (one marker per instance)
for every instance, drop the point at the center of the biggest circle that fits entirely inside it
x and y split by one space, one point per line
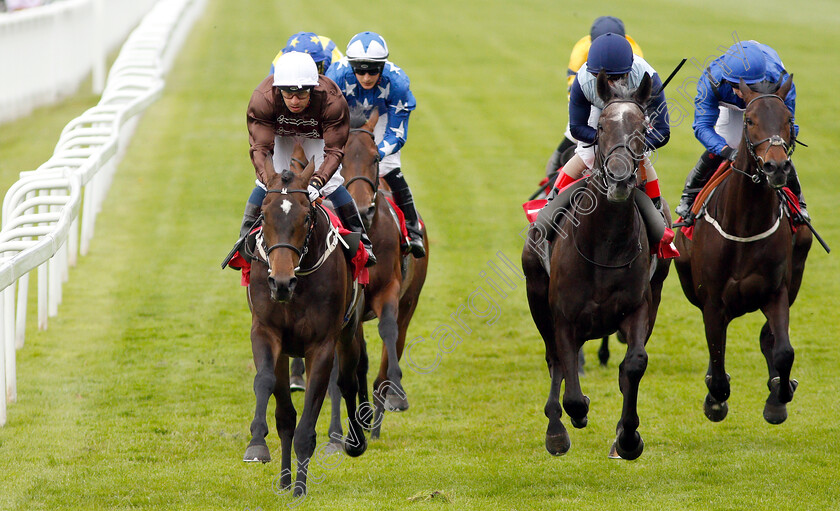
285 417
319 365
717 381
361 377
557 440
568 349
778 351
264 385
635 329
394 394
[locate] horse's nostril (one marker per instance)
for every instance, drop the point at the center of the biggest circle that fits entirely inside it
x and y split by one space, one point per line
292 284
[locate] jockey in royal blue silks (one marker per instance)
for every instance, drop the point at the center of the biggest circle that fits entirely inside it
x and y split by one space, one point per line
370 81
613 54
719 112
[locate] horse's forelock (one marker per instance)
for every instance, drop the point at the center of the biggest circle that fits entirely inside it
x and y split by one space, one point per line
287 176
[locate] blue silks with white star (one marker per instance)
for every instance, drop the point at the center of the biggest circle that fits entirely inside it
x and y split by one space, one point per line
391 95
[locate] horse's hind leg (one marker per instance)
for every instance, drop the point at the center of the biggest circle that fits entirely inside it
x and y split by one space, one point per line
628 443
348 359
335 432
777 350
264 386
717 380
557 441
285 417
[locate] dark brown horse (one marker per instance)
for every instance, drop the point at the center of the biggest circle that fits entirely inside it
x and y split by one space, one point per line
395 280
601 277
744 258
302 304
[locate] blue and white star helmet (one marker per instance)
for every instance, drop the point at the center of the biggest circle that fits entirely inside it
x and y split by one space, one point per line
306 42
367 46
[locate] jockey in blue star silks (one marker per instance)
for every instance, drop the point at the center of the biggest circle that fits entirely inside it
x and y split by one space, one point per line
322 50
369 80
613 54
719 112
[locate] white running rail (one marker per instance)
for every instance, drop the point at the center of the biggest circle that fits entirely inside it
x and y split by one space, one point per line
48 215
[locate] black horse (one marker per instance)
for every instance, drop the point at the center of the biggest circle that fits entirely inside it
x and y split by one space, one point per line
601 278
744 257
303 304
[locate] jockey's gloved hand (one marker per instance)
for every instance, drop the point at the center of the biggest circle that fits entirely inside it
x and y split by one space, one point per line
314 189
729 153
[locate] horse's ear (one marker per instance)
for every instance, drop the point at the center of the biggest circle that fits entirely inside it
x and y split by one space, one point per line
372 120
306 175
745 90
604 91
785 88
642 94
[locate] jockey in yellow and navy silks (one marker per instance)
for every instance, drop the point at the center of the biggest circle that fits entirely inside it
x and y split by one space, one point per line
370 81
580 51
719 112
612 54
322 50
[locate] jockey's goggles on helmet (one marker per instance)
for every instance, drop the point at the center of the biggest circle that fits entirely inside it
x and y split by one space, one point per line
295 90
367 67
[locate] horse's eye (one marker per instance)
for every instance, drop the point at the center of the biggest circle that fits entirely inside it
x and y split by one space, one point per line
749 122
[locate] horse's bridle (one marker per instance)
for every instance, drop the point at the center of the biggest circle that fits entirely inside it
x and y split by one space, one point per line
602 157
305 248
374 185
774 140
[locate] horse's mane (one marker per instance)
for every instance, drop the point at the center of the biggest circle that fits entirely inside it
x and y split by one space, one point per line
357 118
621 90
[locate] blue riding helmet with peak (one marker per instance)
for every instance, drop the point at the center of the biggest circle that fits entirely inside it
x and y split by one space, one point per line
612 53
604 25
308 42
367 51
743 62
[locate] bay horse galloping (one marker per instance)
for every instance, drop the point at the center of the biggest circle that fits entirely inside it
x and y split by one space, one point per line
395 281
601 278
744 257
303 304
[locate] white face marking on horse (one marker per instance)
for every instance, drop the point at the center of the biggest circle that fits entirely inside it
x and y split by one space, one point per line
286 206
618 111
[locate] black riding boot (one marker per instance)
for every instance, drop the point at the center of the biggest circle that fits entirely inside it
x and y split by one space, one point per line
405 201
349 216
695 181
796 188
252 212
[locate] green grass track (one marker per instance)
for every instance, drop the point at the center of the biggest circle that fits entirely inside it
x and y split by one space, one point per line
139 395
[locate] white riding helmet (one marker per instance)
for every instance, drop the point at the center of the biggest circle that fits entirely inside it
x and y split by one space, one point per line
295 70
368 46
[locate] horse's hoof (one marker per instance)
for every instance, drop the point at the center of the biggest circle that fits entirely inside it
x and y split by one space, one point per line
297 384
558 445
356 450
619 452
374 434
775 412
257 452
396 403
715 410
579 423
300 490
